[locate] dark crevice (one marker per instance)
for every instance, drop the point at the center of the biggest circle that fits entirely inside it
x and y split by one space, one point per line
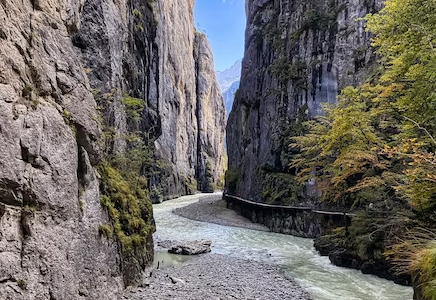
7 279
85 140
24 153
3 35
2 210
199 173
26 215
79 42
52 297
10 192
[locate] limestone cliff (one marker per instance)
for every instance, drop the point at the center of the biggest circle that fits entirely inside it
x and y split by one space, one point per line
298 54
68 69
150 52
49 211
190 106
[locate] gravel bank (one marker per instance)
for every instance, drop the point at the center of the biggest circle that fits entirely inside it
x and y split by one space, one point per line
212 209
219 277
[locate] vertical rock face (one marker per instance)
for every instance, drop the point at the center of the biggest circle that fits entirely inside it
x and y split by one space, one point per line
191 108
210 116
65 67
298 55
49 210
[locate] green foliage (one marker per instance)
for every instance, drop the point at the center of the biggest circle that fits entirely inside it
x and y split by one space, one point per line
286 71
31 207
125 199
415 253
35 103
343 150
134 107
190 184
419 180
67 117
81 205
105 230
424 264
139 28
371 232
377 145
280 188
137 13
27 91
404 36
207 181
156 195
318 19
150 3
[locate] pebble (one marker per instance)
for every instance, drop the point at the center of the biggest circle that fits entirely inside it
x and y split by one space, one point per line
207 277
216 276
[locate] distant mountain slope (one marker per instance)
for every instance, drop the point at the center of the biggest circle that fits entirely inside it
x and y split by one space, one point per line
229 96
228 81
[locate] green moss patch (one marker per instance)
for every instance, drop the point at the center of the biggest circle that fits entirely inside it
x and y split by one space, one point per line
128 207
280 188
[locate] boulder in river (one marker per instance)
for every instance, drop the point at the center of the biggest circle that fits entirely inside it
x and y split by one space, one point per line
186 247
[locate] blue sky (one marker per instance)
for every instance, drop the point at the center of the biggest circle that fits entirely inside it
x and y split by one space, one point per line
223 21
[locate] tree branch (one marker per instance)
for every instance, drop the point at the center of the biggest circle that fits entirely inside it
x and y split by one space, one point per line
422 128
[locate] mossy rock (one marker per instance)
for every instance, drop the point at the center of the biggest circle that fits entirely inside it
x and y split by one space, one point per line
128 207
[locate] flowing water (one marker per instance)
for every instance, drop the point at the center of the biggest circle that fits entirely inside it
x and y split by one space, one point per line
316 274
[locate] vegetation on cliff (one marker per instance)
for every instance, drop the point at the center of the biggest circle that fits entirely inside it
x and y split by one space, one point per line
126 201
124 190
375 150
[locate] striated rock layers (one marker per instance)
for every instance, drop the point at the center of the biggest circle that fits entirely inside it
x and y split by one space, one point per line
65 68
298 55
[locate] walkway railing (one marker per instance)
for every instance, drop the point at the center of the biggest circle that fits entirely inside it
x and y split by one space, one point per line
301 208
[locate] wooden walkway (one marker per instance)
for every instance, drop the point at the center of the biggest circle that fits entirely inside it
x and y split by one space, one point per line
308 209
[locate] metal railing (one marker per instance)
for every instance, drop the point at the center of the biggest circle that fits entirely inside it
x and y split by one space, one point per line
308 209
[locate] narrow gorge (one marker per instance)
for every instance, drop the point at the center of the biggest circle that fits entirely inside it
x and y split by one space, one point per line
90 92
115 146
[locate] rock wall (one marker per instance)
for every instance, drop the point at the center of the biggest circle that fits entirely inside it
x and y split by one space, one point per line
298 55
49 211
296 221
368 261
153 52
190 106
210 116
65 67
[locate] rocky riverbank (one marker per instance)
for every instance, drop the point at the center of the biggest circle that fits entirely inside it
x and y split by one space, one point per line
214 276
212 209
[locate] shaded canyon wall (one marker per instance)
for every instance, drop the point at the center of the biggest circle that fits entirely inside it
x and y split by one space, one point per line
298 55
65 68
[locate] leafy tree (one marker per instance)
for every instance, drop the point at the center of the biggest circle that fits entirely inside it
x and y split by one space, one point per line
342 150
379 138
405 38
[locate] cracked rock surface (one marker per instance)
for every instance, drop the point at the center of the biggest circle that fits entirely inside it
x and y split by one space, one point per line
58 58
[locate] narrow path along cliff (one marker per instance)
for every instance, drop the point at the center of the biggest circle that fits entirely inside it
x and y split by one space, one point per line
230 245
